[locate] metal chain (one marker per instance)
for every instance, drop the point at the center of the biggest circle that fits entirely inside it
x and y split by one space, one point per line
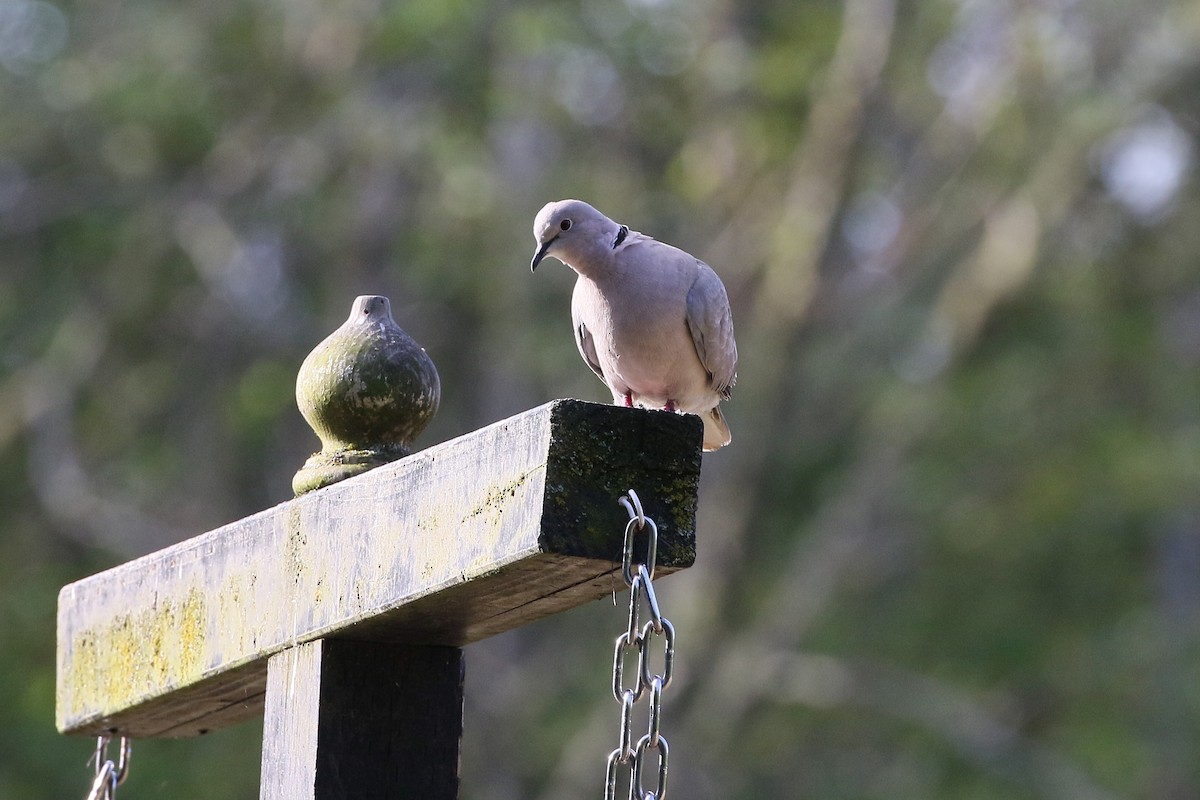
639 578
109 775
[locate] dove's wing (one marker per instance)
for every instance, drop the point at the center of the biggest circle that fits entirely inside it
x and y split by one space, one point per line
711 326
583 340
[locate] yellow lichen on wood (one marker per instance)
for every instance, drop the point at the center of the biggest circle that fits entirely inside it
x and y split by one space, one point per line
135 656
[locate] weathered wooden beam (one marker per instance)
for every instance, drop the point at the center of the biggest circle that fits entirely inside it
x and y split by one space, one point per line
362 720
458 542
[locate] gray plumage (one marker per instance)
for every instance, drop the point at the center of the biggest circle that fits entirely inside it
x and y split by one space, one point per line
652 321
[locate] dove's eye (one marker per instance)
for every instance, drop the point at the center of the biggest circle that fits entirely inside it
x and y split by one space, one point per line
565 225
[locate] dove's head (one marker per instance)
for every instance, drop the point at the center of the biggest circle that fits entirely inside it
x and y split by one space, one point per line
574 233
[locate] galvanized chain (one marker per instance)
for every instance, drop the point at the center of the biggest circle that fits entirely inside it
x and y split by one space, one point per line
639 578
109 775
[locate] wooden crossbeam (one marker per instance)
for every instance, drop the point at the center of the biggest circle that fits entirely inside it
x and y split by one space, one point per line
458 542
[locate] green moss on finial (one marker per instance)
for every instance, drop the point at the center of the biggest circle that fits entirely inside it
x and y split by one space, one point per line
367 391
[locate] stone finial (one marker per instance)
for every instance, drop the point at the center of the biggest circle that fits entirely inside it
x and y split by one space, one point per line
367 390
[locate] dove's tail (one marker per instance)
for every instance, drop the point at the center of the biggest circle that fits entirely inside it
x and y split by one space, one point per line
716 430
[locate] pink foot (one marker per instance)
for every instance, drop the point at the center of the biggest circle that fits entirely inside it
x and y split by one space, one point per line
629 399
670 406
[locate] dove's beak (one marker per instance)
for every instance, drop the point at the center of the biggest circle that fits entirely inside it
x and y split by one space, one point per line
539 255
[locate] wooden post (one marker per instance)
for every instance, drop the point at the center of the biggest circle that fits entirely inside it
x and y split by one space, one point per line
362 720
332 610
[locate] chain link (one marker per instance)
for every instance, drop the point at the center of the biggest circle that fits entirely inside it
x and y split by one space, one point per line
639 578
109 775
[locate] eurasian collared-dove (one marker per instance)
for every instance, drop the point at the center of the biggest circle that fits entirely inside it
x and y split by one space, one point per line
650 320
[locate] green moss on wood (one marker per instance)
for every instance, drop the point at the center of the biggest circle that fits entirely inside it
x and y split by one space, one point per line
599 452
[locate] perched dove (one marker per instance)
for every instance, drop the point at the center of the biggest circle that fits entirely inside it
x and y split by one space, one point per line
650 320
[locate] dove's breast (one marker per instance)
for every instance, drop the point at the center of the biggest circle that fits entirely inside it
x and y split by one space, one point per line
638 321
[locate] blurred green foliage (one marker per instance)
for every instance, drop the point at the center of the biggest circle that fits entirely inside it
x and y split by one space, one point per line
954 549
